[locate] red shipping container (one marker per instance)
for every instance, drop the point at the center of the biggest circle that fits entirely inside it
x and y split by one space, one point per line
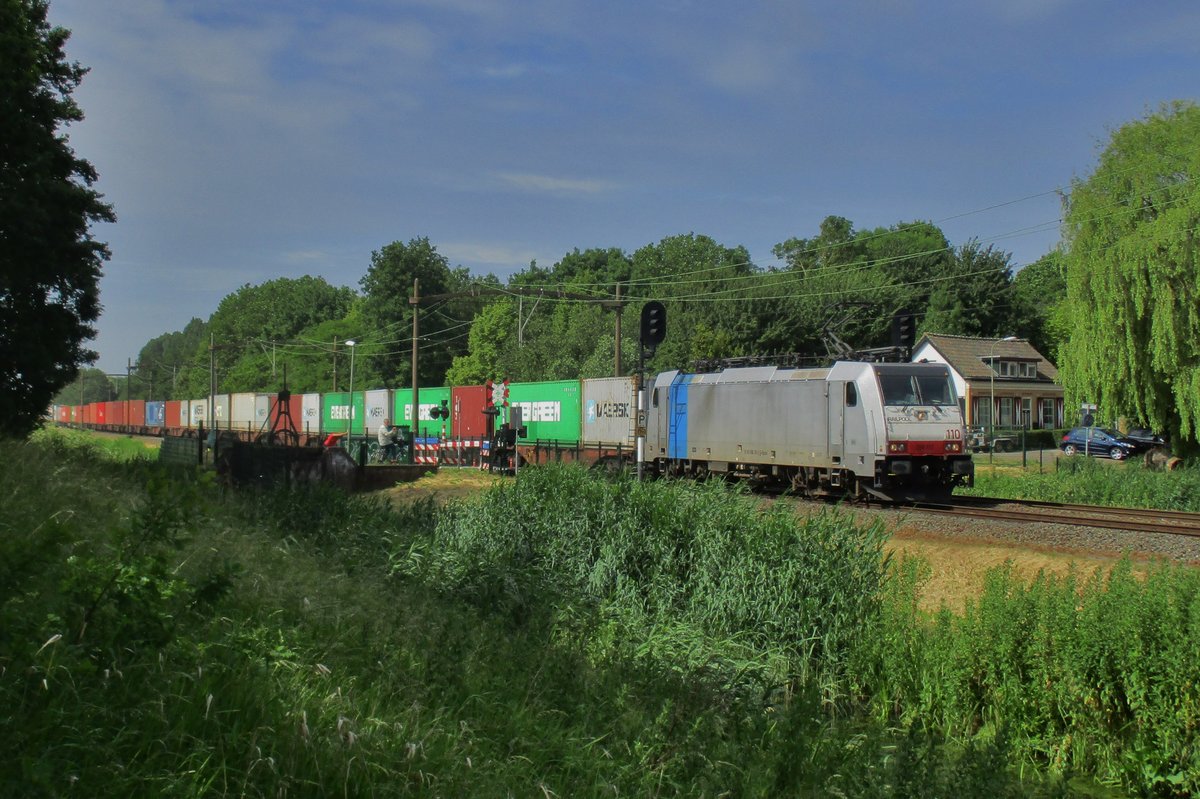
100 412
135 411
171 414
114 413
295 409
467 418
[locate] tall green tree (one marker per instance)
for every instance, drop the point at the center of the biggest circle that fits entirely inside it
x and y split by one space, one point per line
444 325
976 298
49 263
1039 296
1133 289
164 360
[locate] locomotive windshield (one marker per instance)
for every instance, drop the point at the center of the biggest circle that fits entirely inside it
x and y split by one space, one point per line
913 387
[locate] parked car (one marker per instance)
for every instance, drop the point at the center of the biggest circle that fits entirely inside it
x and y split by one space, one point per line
1146 437
1100 442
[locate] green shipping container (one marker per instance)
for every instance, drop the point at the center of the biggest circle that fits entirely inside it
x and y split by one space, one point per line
551 411
430 398
335 412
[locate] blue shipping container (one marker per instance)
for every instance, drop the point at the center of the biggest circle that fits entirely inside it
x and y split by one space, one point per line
156 413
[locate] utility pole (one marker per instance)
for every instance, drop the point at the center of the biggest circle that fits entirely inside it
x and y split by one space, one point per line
212 376
617 347
334 365
416 308
128 385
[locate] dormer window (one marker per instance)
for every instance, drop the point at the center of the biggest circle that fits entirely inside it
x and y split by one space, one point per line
1009 368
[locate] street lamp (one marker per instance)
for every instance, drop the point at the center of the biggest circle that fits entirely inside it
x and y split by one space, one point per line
992 364
350 425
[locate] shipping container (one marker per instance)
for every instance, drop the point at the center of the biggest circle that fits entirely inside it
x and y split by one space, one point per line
262 412
550 410
173 414
293 419
376 408
466 413
610 411
114 413
430 398
336 414
135 413
241 412
221 411
156 413
310 421
198 412
62 413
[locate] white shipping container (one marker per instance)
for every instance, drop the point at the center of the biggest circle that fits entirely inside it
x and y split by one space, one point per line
263 403
375 409
241 411
185 415
310 414
199 412
221 411
610 411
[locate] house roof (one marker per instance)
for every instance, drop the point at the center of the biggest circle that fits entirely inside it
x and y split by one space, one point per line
969 356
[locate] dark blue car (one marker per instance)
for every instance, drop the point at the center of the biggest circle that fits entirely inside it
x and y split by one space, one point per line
1100 442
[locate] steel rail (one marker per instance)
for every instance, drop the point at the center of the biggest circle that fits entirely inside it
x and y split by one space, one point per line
1033 511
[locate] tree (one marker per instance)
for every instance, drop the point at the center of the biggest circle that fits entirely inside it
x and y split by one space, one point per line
49 262
1039 297
976 297
1133 289
164 360
89 385
388 286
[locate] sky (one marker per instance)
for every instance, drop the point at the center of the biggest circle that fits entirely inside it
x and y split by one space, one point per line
241 141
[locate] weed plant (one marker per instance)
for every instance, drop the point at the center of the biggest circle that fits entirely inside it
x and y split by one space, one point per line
1087 481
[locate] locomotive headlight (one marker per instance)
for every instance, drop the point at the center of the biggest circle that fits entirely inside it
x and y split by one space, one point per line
953 446
897 446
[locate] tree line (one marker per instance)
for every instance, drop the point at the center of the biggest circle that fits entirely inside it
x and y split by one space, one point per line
559 322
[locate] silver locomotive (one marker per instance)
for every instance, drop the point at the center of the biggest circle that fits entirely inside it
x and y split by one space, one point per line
888 431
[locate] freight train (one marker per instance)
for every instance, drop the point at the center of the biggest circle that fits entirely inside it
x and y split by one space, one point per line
886 431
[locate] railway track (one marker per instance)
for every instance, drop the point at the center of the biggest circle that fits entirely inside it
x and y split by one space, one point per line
1131 519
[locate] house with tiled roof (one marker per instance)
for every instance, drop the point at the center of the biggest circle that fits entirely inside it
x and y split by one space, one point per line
1001 379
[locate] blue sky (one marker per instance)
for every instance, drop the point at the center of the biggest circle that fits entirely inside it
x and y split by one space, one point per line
244 140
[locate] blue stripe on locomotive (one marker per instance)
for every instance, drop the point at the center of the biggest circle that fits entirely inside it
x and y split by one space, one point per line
677 417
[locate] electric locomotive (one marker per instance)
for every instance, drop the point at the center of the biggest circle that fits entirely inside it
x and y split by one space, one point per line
887 431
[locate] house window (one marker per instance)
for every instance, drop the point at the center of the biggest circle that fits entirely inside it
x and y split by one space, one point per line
1029 369
983 412
1006 411
1047 413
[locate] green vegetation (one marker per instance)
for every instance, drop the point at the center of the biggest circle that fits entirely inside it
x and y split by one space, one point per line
1130 228
1089 481
558 635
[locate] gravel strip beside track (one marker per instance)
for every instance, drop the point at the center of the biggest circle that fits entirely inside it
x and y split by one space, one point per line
1039 535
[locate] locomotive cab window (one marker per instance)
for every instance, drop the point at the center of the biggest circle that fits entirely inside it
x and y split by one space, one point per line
912 387
851 395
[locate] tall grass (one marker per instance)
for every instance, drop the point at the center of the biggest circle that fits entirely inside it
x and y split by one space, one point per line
1087 481
558 636
694 573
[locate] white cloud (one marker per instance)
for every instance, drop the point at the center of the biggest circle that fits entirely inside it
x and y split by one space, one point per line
547 184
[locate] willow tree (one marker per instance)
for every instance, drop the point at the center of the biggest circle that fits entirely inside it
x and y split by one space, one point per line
1133 290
